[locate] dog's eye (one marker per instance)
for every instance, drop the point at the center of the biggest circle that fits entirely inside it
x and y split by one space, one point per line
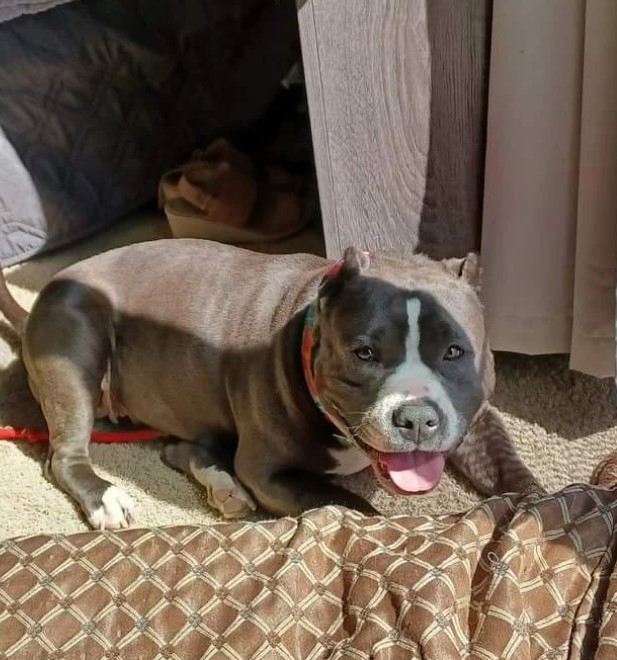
365 353
454 352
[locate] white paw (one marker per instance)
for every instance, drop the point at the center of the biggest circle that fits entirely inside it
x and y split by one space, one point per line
223 492
116 510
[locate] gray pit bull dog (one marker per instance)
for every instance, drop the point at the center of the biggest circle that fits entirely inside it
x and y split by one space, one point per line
273 373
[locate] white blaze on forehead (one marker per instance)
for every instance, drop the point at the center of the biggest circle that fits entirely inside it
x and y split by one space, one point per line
414 379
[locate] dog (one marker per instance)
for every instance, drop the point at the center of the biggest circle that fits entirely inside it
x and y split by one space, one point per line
272 373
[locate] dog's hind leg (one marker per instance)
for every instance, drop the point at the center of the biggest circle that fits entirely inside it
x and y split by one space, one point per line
214 472
66 349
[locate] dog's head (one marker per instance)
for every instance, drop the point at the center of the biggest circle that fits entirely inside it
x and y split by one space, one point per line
401 358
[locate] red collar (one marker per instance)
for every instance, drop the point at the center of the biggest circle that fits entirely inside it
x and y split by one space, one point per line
307 356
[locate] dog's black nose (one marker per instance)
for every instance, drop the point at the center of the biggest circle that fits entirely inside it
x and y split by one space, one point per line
418 419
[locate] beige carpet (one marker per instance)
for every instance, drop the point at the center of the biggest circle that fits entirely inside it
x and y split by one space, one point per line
563 424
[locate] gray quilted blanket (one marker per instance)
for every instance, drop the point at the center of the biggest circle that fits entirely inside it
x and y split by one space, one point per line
10 9
99 97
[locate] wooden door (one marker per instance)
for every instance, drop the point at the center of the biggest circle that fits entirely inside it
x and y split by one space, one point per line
397 97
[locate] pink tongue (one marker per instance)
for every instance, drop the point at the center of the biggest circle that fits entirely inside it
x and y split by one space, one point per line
415 471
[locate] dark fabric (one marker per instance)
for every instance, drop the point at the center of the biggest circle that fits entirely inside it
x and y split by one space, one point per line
99 97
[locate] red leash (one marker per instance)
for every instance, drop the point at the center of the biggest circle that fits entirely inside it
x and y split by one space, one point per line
38 435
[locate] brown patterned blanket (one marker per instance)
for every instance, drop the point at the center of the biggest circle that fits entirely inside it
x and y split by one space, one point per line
512 578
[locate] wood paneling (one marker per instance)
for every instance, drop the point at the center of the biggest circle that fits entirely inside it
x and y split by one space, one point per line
397 95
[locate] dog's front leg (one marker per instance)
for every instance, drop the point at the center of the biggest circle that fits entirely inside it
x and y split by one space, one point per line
489 460
292 492
289 492
214 471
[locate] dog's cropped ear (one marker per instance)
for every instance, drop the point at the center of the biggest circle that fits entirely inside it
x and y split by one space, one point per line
355 261
467 267
352 263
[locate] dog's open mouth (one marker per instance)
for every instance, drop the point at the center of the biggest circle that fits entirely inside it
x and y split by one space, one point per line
406 473
410 472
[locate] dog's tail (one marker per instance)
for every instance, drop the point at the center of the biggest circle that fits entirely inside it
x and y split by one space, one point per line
14 312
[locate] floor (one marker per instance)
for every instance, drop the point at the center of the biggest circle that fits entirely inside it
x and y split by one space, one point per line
562 422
